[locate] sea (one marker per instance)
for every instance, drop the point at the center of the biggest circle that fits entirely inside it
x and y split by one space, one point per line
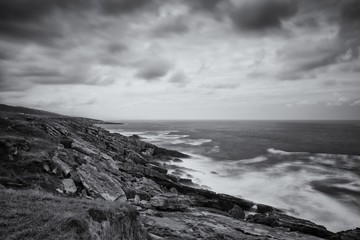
309 169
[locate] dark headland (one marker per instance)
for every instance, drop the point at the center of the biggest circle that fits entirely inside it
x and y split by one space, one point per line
63 177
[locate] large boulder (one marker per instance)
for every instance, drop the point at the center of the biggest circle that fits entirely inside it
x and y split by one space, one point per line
170 202
99 183
294 224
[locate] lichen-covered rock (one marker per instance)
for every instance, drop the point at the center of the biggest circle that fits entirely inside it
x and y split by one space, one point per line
170 202
100 184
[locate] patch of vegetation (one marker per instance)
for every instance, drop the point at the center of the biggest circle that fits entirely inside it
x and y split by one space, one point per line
32 214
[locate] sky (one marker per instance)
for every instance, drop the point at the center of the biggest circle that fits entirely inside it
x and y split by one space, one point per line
182 59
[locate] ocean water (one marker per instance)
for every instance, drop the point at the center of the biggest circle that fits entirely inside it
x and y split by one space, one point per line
310 169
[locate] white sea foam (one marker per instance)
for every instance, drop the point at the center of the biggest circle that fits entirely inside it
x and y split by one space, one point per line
281 152
279 187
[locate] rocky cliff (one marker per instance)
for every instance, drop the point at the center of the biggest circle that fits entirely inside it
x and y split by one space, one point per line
79 168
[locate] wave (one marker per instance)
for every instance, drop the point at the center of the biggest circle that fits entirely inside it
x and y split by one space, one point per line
302 185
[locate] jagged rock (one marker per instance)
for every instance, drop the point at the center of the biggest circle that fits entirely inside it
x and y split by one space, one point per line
59 166
186 181
149 186
69 185
163 153
170 202
292 223
81 147
100 183
135 157
177 160
353 234
159 169
237 212
145 204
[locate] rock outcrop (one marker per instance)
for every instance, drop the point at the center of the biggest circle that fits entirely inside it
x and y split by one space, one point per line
76 158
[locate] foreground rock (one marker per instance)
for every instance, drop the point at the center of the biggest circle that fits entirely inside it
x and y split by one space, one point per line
202 224
71 157
293 224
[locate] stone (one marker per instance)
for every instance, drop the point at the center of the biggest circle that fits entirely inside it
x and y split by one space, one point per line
174 190
132 192
59 166
82 148
69 185
294 224
157 168
237 212
353 234
170 202
177 160
99 183
145 204
136 200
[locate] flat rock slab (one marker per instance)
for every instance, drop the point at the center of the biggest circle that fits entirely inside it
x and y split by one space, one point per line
196 224
100 183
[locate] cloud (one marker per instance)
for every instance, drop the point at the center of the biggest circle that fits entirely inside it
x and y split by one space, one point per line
349 27
42 21
206 5
310 22
260 15
300 57
173 26
221 86
24 20
153 69
124 6
178 77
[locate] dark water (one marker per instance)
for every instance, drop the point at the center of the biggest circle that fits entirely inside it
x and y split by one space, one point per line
310 169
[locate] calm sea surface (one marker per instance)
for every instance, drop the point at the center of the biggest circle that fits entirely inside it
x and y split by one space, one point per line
311 169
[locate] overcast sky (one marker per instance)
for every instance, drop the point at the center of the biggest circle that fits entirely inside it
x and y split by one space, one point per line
182 59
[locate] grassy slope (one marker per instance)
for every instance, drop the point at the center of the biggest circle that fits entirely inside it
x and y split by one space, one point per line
32 214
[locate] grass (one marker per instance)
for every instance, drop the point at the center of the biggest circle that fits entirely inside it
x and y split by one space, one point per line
32 214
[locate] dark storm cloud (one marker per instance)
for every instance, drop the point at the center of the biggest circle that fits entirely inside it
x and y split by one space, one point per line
123 6
153 69
29 20
302 58
259 15
205 5
34 20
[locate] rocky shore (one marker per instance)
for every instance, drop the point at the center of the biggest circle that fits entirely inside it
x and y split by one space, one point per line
120 187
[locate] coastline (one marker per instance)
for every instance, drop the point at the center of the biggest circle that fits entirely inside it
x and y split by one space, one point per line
72 158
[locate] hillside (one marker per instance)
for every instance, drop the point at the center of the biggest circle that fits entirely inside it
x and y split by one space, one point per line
64 178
